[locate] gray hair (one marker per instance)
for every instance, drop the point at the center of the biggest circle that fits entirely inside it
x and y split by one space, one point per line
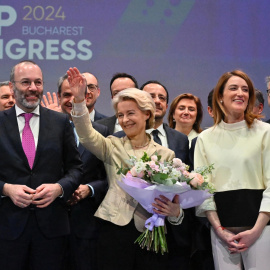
143 100
5 83
259 98
267 80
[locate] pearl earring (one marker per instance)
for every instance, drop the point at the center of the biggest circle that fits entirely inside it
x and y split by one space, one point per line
221 101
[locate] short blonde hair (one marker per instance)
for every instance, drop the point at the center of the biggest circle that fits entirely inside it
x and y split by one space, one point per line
143 100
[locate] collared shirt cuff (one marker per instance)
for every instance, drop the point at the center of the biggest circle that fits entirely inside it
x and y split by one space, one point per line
92 189
177 220
62 195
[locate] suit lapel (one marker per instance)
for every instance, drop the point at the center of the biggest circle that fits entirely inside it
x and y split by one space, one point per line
12 132
81 149
44 129
170 138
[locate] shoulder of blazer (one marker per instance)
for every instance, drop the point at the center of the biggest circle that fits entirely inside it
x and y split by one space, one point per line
173 132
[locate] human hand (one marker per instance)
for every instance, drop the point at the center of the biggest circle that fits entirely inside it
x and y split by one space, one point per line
21 195
51 102
165 207
245 239
46 194
228 238
77 84
80 193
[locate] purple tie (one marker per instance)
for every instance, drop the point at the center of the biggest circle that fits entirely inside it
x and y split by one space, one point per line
28 142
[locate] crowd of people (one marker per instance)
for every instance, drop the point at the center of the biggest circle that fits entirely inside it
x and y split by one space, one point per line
61 206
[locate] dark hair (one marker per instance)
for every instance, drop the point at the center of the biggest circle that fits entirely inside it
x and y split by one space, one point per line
197 123
259 98
218 108
60 82
13 69
156 82
123 75
210 99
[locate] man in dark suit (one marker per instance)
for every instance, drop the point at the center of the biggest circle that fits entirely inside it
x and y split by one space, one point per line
40 169
119 82
86 199
93 92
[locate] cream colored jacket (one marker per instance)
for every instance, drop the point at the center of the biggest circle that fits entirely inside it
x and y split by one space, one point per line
117 207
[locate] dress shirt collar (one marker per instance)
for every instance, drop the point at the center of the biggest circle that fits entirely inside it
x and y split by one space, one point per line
92 116
19 111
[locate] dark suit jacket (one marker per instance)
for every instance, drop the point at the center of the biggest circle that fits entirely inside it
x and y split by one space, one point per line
109 122
99 116
82 220
179 236
57 161
191 153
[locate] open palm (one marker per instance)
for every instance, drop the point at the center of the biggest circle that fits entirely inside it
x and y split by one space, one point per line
77 84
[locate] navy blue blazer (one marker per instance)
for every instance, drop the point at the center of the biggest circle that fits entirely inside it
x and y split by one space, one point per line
109 122
82 220
57 160
99 116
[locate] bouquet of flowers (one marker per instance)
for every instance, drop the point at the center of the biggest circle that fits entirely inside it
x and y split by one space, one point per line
147 178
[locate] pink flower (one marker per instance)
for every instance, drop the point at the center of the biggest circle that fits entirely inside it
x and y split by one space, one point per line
186 173
135 173
197 179
154 158
177 162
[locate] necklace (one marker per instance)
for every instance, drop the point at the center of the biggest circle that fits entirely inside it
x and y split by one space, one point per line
141 146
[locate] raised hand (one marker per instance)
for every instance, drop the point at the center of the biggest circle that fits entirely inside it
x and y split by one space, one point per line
51 102
77 84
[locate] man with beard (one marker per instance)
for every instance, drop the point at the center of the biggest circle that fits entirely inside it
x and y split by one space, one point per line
40 169
6 97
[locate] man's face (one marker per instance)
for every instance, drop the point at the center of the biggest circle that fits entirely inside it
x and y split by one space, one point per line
93 90
159 96
6 98
66 98
28 86
121 84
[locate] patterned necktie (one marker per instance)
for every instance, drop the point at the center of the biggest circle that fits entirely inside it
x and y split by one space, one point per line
28 142
155 136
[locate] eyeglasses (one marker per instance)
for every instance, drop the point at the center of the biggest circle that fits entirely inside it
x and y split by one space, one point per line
92 87
268 92
27 83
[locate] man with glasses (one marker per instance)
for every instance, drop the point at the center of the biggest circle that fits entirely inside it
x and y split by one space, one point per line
93 92
40 169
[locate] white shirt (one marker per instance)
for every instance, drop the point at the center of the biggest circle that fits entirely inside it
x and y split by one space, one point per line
92 116
162 135
117 126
